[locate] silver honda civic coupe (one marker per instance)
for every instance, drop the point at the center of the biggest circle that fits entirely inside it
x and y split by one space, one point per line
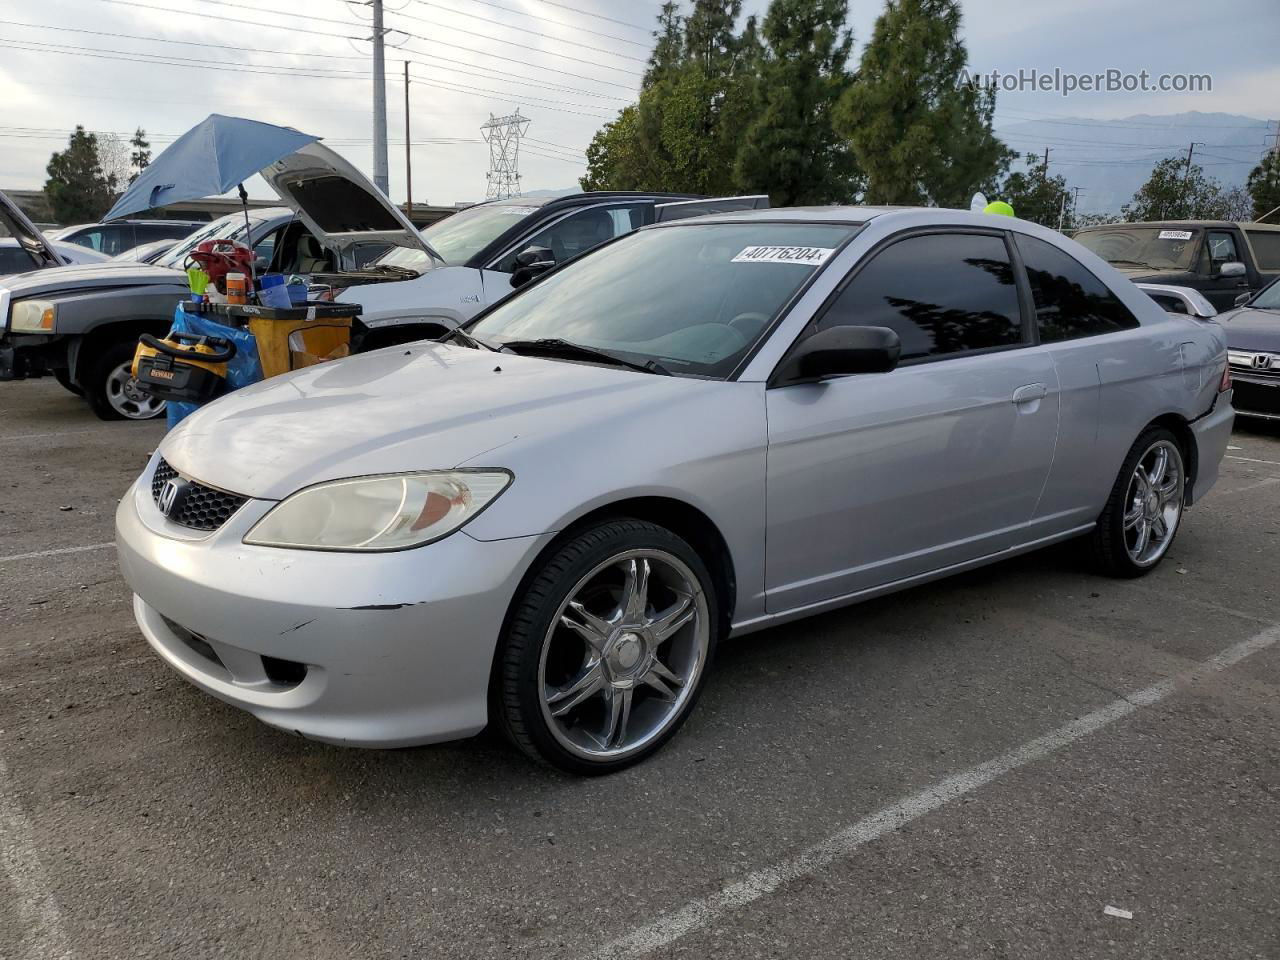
697 431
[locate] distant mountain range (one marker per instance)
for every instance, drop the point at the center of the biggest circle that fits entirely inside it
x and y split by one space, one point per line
1111 159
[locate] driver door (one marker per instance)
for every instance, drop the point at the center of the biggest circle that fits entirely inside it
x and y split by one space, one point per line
879 478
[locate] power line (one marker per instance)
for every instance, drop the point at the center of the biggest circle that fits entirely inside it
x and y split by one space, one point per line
495 56
331 56
535 33
252 23
598 16
574 26
525 46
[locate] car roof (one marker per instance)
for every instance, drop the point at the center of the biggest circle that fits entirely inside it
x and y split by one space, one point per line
1183 224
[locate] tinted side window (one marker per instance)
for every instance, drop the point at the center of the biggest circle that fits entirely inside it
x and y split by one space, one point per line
1070 301
1266 248
941 293
578 233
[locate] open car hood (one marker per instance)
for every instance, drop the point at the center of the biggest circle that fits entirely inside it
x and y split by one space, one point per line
340 206
24 231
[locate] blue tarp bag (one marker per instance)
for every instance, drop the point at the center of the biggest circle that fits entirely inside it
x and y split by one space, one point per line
242 369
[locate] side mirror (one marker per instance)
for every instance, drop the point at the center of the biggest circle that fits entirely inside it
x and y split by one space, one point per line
1232 268
1243 299
839 351
532 262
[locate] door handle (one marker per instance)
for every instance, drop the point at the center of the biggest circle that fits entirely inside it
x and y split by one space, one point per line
1030 392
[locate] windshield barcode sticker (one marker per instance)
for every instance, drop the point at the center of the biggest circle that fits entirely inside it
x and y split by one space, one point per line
811 256
1175 234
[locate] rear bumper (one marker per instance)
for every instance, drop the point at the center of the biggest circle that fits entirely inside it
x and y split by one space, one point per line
1212 433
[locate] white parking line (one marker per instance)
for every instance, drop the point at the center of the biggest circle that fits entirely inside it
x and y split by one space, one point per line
58 552
699 913
42 935
39 436
1275 463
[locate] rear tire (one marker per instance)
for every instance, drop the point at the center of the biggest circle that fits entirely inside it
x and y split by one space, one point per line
1144 511
111 391
606 648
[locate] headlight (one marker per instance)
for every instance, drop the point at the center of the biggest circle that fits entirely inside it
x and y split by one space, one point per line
390 512
1239 357
33 316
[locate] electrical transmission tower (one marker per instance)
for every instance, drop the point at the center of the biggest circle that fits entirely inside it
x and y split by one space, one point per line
503 135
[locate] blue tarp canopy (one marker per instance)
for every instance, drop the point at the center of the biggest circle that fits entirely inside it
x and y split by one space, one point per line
208 160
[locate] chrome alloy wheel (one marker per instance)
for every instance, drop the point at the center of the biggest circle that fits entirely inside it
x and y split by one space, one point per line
128 399
623 654
1153 503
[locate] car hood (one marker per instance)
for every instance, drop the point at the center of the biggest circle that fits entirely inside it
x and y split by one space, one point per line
337 202
1151 274
89 276
17 225
1249 329
423 407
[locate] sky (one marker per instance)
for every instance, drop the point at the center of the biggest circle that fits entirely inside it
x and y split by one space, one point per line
568 65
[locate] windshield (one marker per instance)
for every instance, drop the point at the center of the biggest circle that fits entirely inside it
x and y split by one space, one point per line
230 227
695 298
1269 297
1160 248
460 237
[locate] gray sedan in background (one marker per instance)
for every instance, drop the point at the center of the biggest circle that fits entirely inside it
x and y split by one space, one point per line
697 431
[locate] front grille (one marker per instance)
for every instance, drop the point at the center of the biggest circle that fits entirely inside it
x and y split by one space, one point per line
203 508
1271 373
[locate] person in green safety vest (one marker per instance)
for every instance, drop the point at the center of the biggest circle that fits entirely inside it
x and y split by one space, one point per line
1000 208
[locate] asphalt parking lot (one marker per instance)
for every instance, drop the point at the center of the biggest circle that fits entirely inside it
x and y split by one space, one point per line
980 767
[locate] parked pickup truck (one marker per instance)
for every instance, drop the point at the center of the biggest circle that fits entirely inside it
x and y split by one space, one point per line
1226 261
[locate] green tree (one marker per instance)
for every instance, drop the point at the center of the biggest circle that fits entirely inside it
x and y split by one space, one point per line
140 159
1035 195
920 134
697 96
1264 186
77 189
790 150
1176 192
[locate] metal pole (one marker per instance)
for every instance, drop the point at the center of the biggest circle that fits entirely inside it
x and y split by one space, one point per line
408 150
380 177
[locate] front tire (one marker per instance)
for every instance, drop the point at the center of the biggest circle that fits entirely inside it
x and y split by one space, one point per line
112 392
64 379
606 648
1144 511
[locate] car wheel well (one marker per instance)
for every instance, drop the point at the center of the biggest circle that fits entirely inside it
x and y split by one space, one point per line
106 334
684 520
1181 429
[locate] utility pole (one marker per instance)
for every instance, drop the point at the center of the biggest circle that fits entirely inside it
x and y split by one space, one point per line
1046 162
408 150
1190 150
1075 202
380 178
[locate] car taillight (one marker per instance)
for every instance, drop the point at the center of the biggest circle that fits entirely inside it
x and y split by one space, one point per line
1225 385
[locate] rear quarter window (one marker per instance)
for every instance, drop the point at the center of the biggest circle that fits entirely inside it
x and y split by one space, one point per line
1266 248
1070 301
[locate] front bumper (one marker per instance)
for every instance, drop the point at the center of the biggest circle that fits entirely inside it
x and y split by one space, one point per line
30 355
375 650
1256 396
1212 433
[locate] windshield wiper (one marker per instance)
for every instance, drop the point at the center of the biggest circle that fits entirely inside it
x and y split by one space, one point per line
555 347
393 269
468 339
1136 263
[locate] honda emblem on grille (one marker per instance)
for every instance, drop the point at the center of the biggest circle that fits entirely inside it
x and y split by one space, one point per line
172 495
1262 361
